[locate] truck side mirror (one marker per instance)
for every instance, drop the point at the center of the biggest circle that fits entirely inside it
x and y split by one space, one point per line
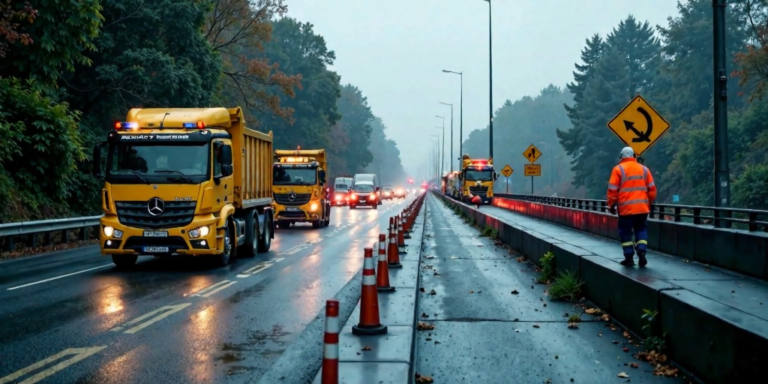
495 176
226 161
321 174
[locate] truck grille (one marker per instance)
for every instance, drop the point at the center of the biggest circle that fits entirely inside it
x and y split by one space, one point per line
175 214
301 198
479 191
174 243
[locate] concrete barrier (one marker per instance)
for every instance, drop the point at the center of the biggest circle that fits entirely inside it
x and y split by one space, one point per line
737 250
717 342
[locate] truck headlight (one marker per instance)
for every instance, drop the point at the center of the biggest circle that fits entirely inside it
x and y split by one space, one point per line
199 232
313 207
112 232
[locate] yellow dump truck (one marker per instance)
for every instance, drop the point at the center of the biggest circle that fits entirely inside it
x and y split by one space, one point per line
185 181
299 187
476 179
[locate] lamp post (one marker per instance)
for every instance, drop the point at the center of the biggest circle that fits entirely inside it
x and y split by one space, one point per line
442 159
490 82
437 153
451 143
720 96
461 117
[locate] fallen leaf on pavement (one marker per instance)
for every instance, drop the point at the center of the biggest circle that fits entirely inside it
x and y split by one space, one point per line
600 334
366 348
634 365
615 341
573 325
471 291
515 292
422 289
425 327
432 292
536 326
424 315
520 259
592 311
614 328
605 317
626 349
423 379
626 334
623 375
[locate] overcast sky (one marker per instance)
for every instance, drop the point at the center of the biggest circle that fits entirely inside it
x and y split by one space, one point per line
395 50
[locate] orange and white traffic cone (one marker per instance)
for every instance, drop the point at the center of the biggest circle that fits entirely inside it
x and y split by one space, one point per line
370 323
407 223
400 236
393 254
382 270
330 369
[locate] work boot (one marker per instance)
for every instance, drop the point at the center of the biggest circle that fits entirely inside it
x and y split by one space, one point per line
628 261
642 260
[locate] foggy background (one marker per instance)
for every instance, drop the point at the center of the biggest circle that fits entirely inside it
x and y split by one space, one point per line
395 51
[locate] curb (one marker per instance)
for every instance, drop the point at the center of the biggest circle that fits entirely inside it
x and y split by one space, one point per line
387 358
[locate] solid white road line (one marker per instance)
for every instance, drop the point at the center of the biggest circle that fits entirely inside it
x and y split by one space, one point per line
59 277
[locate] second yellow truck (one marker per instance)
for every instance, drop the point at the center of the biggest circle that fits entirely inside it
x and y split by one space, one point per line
300 188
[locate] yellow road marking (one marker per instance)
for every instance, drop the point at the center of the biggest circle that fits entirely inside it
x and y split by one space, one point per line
159 314
79 354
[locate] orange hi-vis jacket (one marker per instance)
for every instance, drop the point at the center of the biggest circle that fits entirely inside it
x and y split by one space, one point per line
631 187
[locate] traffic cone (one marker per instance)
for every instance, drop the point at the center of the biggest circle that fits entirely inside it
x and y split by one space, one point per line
393 254
370 323
330 369
407 224
400 236
382 272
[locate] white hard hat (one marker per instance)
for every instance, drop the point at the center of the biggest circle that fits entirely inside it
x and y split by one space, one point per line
627 152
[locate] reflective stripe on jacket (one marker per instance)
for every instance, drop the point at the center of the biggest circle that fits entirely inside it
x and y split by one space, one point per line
631 187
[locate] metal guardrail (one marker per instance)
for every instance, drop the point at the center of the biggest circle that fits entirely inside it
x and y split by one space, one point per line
749 219
10 231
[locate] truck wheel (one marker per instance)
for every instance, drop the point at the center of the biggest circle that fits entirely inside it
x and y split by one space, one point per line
317 223
375 206
283 224
265 241
251 245
222 260
124 261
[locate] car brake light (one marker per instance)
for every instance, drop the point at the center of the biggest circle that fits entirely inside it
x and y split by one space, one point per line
353 196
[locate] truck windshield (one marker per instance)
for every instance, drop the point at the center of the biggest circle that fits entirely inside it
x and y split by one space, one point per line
479 175
294 176
187 163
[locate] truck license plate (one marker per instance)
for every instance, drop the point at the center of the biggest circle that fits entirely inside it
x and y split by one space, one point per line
155 234
156 249
293 209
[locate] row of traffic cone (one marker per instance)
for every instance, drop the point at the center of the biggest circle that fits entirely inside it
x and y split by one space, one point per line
390 249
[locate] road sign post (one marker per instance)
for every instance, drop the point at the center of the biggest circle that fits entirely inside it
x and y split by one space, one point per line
638 125
532 170
507 172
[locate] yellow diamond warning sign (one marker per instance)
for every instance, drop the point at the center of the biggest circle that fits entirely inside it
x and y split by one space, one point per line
532 153
638 125
507 171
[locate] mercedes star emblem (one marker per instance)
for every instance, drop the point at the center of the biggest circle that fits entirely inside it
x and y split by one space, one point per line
291 195
155 206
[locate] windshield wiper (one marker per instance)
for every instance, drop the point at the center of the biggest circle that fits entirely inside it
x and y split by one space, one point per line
139 176
183 176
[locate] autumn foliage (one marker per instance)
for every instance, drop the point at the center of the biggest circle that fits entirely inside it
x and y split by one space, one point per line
10 20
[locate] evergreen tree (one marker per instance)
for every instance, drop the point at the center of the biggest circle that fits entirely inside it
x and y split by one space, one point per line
637 43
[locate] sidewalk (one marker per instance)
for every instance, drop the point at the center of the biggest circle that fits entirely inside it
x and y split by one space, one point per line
493 324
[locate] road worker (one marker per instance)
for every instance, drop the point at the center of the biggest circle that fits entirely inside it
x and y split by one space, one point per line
631 190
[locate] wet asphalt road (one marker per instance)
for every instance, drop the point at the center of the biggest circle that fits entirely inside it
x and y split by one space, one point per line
70 317
485 334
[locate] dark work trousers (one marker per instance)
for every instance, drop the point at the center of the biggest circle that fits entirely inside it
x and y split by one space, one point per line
636 223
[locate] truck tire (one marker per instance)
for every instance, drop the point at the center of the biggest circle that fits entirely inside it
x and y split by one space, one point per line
265 240
283 224
375 206
317 223
251 246
223 259
328 217
124 261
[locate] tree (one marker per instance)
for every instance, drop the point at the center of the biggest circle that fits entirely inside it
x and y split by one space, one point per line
355 122
754 61
386 161
11 19
301 52
237 30
636 42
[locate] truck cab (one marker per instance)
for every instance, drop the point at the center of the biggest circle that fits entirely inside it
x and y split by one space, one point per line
299 187
176 184
476 179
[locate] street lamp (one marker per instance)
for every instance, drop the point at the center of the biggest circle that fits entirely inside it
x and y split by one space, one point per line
437 153
551 165
442 160
490 82
461 117
451 144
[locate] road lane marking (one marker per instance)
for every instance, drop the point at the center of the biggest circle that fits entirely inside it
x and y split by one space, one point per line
59 277
79 354
204 290
218 289
151 318
279 259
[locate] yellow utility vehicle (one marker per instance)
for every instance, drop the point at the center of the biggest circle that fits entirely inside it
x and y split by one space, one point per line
299 186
